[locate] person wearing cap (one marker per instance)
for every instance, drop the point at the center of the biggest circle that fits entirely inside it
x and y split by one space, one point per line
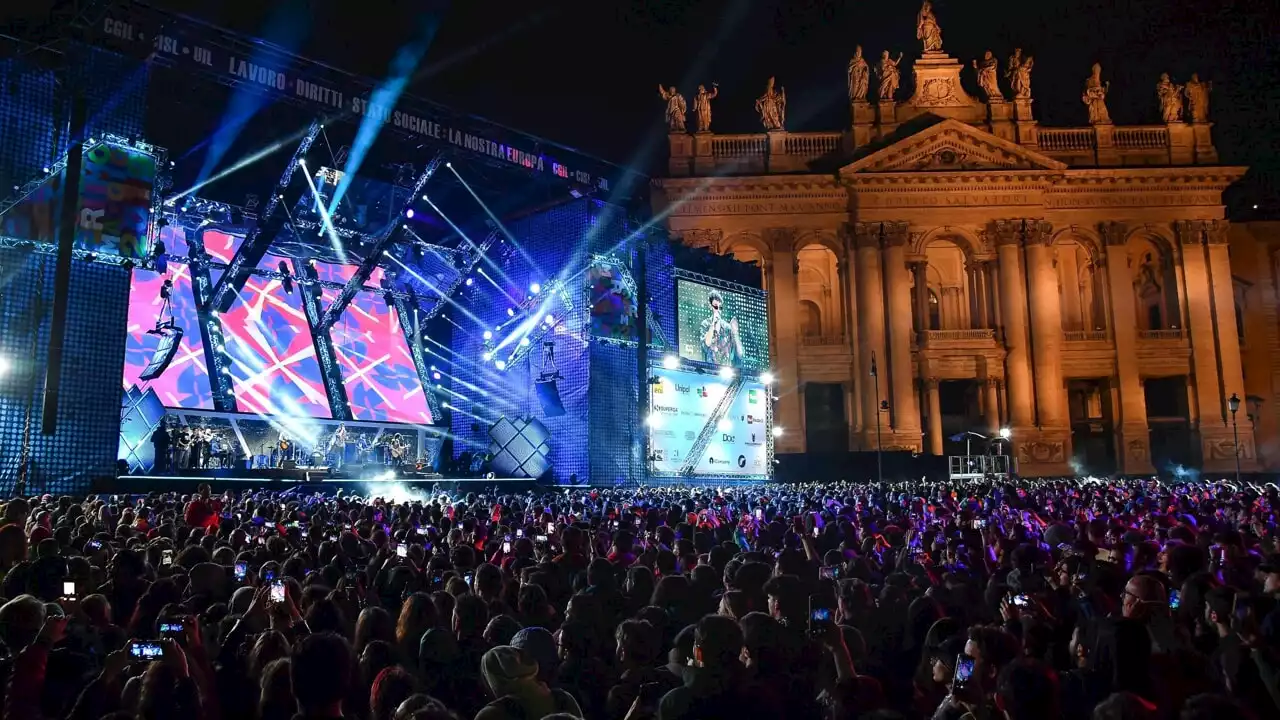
512 677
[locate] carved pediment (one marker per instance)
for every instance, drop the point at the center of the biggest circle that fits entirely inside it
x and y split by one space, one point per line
951 145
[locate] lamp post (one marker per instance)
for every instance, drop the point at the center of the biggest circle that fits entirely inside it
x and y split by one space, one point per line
875 375
1233 404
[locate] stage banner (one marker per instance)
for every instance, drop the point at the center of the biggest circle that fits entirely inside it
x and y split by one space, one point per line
682 404
115 201
722 326
114 206
613 301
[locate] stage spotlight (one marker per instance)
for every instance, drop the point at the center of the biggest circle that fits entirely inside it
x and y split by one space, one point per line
726 373
302 164
653 421
511 312
435 376
524 341
46 170
671 362
548 319
5 366
446 406
777 431
724 425
488 357
409 213
1005 433
488 334
501 364
766 377
535 288
448 164
471 281
92 141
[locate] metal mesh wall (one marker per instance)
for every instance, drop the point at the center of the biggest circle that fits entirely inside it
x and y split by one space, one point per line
85 444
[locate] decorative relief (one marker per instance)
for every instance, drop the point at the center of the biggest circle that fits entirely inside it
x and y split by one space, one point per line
1004 232
895 233
1188 232
866 235
1137 451
939 92
1042 451
1035 230
1225 448
780 239
703 238
1216 232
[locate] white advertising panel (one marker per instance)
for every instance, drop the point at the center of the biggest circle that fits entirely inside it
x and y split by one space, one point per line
681 404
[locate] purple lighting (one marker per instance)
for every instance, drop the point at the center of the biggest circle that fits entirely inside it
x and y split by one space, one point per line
409 213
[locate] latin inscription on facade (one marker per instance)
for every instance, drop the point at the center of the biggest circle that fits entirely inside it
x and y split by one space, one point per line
759 207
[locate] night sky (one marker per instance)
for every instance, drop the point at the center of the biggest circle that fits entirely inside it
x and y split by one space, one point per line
585 72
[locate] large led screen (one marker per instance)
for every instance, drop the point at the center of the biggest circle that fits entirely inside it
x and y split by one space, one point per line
613 303
681 404
720 326
377 367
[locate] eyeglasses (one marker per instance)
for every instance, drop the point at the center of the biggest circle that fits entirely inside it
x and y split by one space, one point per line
1127 593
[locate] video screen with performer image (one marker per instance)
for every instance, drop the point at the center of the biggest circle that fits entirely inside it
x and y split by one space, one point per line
722 326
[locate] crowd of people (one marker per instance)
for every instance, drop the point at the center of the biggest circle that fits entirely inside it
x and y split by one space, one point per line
1044 599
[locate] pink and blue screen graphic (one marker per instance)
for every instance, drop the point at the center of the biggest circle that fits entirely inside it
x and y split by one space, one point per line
377 367
186 382
274 368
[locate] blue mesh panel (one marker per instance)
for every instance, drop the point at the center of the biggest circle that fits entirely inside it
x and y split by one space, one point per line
87 438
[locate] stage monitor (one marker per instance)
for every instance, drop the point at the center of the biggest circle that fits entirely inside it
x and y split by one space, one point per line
722 324
682 405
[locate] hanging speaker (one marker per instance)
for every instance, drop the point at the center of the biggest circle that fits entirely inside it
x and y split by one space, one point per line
549 397
170 340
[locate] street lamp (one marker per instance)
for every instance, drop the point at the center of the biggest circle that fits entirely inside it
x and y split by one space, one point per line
875 374
1233 404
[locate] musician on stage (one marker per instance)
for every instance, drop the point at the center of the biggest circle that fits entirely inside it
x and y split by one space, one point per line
160 441
284 446
201 448
182 452
338 445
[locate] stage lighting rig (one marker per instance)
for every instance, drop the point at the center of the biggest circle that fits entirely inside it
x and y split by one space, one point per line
287 279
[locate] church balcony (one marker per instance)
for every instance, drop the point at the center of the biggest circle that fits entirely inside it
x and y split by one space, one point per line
1129 145
752 153
979 335
1170 334
1164 352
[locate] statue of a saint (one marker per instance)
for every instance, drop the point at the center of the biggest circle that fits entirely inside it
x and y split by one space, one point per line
1170 99
1095 96
1021 81
676 108
927 30
772 106
1011 68
859 76
987 77
889 75
1198 98
702 106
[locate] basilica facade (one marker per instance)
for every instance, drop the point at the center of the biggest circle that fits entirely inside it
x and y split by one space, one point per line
945 265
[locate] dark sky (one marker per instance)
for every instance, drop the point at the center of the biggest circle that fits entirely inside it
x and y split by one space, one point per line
584 72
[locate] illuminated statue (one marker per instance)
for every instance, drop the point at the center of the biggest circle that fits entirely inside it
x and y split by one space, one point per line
1021 81
1095 96
927 30
987 77
702 106
676 108
772 107
1170 99
1198 98
859 76
889 75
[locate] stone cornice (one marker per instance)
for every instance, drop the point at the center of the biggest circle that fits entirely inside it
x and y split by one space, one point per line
1218 177
750 184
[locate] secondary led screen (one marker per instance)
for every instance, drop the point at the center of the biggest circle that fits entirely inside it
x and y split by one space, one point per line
682 404
377 367
613 304
723 327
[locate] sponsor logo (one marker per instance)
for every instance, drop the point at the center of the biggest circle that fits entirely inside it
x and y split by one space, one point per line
666 409
659 388
753 397
702 391
683 389
754 440
725 437
713 461
665 433
742 461
659 456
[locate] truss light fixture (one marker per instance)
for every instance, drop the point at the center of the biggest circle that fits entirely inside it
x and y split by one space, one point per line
409 214
777 431
488 334
501 364
766 377
726 373
511 312
535 288
670 362
471 281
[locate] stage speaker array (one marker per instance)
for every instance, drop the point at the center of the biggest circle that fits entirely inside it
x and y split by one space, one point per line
519 448
170 341
549 397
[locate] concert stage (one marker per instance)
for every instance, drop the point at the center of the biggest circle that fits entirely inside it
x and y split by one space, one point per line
307 481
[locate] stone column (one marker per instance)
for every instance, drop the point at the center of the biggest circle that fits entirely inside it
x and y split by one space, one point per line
857 365
1046 325
935 415
991 405
1013 308
1133 436
1229 357
906 409
1215 428
786 299
870 299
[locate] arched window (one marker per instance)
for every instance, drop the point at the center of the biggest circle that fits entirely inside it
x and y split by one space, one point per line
935 311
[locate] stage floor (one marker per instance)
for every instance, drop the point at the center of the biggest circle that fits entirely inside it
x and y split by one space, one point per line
309 479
